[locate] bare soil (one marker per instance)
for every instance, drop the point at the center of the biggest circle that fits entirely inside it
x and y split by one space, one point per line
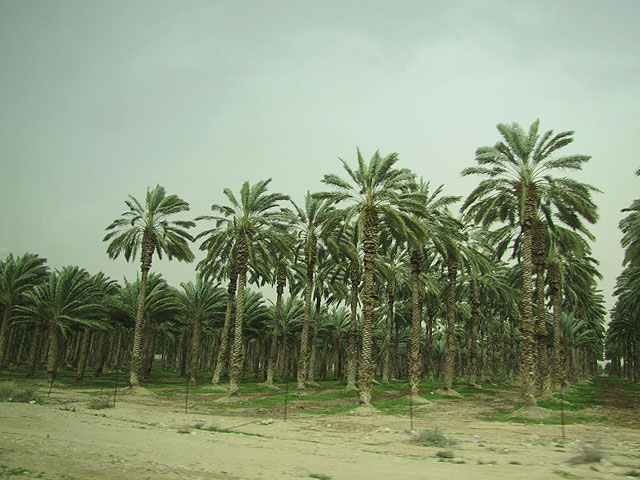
150 437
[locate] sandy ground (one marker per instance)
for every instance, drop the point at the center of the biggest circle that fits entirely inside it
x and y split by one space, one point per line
140 439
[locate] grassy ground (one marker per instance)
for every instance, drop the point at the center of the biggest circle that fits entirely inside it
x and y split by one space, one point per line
328 397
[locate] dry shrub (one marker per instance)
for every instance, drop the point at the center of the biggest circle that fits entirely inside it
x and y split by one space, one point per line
434 438
10 392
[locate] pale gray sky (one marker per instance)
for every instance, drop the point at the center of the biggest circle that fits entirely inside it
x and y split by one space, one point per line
99 100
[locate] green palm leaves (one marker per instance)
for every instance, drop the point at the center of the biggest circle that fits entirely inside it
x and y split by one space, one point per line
147 228
518 188
375 192
18 276
69 296
245 228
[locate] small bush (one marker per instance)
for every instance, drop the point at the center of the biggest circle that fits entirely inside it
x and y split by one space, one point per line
445 454
320 476
434 438
100 404
590 454
10 392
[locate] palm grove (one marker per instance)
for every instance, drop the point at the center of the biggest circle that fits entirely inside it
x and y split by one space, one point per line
375 279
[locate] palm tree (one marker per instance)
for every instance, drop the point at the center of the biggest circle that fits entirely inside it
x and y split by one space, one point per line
519 175
248 228
68 298
105 287
309 223
377 192
18 276
147 228
393 267
200 303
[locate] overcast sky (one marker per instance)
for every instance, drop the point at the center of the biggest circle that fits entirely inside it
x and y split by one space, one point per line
99 100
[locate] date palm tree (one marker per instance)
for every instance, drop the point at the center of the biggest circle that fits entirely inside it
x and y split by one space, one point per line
249 226
69 297
519 170
18 276
376 192
147 228
308 224
200 302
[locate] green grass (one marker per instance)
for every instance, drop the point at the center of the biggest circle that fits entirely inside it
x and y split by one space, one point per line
569 419
553 404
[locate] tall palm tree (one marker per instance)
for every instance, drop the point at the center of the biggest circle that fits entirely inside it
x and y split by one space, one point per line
519 170
308 223
249 227
18 276
376 191
147 228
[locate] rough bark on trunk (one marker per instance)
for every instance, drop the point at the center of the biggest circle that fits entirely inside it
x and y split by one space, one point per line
53 354
195 349
527 343
33 348
414 349
386 346
556 295
280 284
304 336
352 349
236 353
84 352
449 367
223 351
314 338
472 351
136 351
369 301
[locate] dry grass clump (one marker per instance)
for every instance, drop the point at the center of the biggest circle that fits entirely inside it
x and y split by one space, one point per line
434 438
100 404
591 453
10 392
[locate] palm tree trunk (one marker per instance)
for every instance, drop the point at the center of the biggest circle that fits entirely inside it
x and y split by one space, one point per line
352 349
304 336
386 346
271 366
370 241
195 349
4 336
314 338
472 351
33 348
101 354
236 351
542 360
138 334
52 356
527 344
452 271
414 349
556 295
84 352
221 360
